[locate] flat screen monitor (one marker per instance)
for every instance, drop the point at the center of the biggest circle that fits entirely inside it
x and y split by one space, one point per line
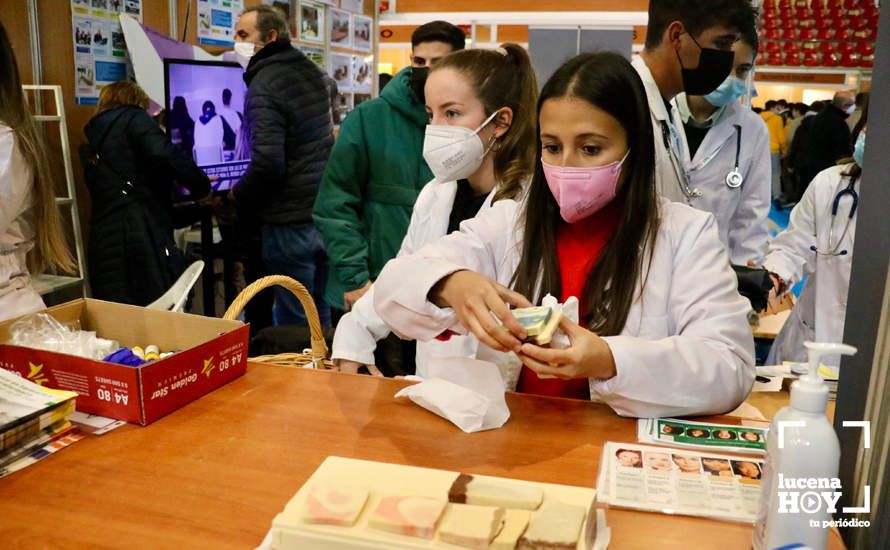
205 117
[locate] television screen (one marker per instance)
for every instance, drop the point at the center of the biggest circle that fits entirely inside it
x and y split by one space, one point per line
205 117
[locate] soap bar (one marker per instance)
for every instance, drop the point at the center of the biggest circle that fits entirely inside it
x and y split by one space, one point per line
471 526
468 490
515 522
555 526
540 323
334 505
407 515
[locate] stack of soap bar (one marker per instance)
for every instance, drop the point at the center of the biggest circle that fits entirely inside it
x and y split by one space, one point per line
334 505
412 516
467 489
540 323
555 526
471 526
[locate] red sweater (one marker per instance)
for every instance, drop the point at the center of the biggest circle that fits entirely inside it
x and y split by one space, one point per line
578 246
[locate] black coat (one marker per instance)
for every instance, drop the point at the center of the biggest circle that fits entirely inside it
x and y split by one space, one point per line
819 143
131 253
288 115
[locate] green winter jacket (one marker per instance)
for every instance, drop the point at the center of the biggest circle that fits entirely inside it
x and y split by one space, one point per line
372 178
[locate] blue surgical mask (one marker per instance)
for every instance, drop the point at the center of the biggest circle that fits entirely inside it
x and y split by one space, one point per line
730 90
859 149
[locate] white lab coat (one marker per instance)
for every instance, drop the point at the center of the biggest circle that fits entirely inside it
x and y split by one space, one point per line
742 212
359 330
686 349
17 296
668 180
822 308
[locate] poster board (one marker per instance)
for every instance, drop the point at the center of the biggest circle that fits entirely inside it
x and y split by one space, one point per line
100 53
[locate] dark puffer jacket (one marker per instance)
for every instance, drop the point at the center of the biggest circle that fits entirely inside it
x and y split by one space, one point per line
132 256
288 113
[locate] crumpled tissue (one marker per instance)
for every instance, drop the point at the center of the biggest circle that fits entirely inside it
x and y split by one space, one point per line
467 392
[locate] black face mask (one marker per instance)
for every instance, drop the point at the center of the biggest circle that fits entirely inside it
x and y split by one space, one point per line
713 68
418 81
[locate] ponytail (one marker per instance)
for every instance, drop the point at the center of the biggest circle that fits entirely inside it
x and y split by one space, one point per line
504 78
515 156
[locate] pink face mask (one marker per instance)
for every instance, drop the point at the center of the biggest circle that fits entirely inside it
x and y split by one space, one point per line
580 192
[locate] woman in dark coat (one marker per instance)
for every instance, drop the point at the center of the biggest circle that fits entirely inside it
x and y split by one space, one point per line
132 170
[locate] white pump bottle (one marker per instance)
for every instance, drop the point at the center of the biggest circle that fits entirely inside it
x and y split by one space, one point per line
802 445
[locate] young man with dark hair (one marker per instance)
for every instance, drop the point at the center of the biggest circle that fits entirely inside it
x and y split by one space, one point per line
688 48
288 115
377 169
729 148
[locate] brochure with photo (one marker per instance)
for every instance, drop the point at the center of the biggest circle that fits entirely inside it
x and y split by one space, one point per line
748 439
672 481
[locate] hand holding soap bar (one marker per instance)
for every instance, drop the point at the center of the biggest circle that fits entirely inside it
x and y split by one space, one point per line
539 322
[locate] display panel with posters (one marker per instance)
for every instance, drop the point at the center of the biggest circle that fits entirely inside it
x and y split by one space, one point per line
340 28
205 106
100 53
311 22
216 21
362 30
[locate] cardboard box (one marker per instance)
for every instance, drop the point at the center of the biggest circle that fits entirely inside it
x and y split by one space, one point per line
213 352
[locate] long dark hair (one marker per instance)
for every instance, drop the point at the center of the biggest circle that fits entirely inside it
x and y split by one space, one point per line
608 82
503 80
50 247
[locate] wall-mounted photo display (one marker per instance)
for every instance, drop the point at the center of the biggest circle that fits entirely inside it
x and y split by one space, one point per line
341 71
362 31
315 54
311 22
362 74
340 28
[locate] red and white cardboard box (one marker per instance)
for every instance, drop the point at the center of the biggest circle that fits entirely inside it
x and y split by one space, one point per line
211 353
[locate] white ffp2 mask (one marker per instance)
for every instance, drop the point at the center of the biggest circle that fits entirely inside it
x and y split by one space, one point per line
244 51
453 152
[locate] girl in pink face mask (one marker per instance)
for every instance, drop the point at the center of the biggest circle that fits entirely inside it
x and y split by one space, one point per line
663 330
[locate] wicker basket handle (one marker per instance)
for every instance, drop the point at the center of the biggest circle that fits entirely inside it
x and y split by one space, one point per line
319 346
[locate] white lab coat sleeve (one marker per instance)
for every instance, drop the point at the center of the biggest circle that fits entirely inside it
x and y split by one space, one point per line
15 180
707 365
359 330
405 282
748 229
789 254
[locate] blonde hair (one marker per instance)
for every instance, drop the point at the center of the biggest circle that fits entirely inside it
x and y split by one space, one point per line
124 92
50 247
504 78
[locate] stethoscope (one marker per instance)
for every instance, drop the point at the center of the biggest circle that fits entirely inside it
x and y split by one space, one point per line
667 135
734 178
835 205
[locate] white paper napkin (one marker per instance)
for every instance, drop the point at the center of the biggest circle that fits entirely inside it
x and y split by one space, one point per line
467 392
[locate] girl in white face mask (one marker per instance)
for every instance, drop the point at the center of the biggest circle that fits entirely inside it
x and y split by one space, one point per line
663 330
480 147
